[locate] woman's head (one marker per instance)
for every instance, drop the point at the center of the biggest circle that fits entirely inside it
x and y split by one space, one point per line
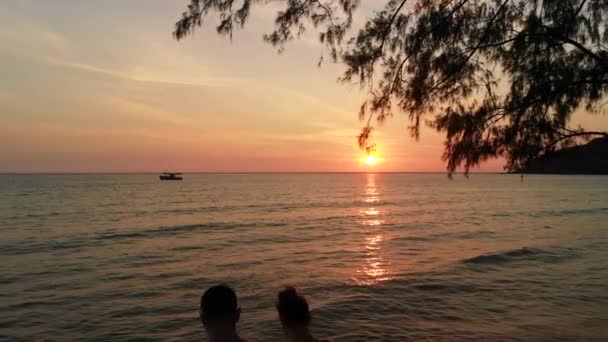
293 308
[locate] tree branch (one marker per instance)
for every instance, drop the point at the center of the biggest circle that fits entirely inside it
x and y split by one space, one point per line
402 64
388 28
327 10
579 9
555 34
475 49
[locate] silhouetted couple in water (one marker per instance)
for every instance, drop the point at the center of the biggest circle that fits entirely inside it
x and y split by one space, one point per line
220 312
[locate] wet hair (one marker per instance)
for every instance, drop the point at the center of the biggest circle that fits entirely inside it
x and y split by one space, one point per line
293 307
219 303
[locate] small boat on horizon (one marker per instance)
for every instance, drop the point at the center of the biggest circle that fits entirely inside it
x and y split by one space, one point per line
170 176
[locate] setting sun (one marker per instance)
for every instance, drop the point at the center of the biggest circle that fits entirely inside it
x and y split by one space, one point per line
371 160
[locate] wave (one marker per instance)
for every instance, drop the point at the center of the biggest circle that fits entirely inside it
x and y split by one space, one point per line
278 206
569 212
103 238
545 213
552 255
465 235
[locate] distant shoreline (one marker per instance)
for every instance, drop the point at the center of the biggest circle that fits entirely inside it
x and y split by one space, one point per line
587 159
556 174
291 172
254 172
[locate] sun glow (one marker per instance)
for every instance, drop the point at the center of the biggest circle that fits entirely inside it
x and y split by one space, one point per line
370 159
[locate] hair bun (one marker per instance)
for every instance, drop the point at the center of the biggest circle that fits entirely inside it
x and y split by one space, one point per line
293 307
288 293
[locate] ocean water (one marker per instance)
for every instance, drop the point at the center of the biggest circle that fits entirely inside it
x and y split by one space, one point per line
392 257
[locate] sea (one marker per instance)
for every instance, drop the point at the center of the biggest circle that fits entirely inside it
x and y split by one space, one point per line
380 257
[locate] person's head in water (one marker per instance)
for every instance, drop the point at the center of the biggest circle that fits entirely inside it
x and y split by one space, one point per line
219 313
294 314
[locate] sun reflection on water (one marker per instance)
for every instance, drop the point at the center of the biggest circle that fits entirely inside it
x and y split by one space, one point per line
374 269
371 211
371 193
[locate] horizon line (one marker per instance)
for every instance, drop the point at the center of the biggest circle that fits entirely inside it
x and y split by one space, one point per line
241 172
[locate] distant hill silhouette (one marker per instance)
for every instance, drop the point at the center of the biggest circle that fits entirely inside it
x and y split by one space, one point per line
591 158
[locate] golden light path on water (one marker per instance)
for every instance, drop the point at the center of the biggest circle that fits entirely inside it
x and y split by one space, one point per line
375 268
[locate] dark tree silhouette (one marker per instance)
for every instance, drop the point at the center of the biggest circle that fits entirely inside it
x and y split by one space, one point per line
501 78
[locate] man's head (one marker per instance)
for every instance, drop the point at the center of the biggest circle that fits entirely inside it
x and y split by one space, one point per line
219 308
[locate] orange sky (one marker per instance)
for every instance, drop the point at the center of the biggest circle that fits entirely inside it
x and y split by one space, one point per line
94 86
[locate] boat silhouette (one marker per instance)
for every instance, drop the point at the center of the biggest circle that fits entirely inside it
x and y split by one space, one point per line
170 176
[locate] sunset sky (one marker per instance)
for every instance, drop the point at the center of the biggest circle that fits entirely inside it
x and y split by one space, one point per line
101 86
